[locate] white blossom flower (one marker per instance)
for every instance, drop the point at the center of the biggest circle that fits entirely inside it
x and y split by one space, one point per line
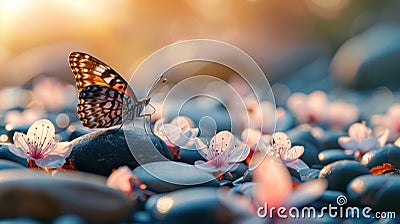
39 145
222 154
280 146
391 121
124 180
179 132
176 134
361 139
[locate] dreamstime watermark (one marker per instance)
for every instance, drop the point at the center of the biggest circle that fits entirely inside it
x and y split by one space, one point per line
340 211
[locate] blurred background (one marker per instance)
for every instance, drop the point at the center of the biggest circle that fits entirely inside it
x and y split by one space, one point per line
36 36
343 47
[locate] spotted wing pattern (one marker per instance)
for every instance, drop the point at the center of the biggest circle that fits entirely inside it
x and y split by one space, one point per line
89 71
102 107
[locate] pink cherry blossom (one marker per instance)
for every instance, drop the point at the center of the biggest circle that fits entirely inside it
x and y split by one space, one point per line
280 146
361 139
222 154
179 132
308 108
39 145
390 121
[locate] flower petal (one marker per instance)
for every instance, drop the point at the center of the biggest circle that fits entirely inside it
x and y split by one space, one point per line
50 161
359 131
205 166
157 125
297 164
239 152
20 141
42 132
382 138
292 154
184 123
18 151
179 138
203 149
281 142
368 144
62 149
348 143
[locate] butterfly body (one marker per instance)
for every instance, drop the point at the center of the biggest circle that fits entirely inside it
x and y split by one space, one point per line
105 98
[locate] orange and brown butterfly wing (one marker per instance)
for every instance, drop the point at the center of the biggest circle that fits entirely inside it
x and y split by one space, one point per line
89 71
103 107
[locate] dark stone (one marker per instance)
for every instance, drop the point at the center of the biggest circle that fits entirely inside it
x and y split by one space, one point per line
8 165
387 154
308 174
7 155
244 189
311 146
237 173
340 173
102 151
332 155
166 176
44 197
329 139
189 155
194 205
378 192
369 59
293 173
330 196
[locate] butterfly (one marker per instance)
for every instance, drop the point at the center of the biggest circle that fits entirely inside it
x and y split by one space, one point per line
105 98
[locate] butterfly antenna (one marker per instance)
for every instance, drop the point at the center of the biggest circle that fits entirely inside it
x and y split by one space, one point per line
160 81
